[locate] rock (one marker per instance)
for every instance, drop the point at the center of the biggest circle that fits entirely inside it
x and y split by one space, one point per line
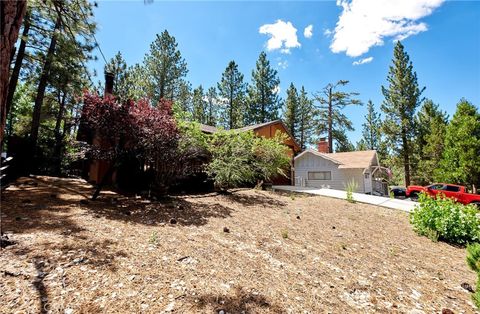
68 311
173 221
467 287
226 230
298 217
221 312
333 227
447 311
170 307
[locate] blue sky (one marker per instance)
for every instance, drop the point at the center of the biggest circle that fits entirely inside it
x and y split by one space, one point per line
442 39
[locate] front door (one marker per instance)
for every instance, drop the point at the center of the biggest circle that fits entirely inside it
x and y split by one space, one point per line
367 182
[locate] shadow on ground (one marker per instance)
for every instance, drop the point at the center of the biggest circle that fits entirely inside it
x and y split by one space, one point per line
238 302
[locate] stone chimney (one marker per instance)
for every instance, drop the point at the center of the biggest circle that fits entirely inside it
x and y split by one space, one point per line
323 145
108 83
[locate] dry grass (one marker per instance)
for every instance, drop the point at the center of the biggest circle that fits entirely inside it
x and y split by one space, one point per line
122 255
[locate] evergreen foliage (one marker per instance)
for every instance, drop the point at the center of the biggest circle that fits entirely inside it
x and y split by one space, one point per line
231 89
331 120
460 161
402 98
263 103
429 144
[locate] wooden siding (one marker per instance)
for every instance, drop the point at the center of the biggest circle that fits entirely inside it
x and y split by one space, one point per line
340 177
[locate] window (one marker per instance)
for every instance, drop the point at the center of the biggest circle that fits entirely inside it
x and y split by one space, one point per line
320 175
436 187
452 188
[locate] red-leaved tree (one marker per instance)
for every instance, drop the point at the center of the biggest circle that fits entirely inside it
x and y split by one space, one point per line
131 129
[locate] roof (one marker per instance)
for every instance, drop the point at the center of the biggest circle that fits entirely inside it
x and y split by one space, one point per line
208 128
211 129
348 160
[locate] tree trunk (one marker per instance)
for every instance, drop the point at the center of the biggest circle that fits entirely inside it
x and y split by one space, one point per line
57 152
330 121
406 158
11 13
12 84
42 85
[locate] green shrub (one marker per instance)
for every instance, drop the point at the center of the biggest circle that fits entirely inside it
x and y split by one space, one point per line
473 261
444 219
351 187
242 158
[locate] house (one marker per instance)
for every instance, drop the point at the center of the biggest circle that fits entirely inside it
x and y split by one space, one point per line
318 168
268 130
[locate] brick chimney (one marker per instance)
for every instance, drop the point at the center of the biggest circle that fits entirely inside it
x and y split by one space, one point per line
108 83
323 146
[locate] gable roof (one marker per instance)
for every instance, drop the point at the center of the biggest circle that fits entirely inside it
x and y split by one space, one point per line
348 160
211 129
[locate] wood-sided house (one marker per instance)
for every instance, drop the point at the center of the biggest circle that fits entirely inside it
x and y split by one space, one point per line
334 170
268 130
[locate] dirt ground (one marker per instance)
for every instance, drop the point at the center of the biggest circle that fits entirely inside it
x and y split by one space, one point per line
248 252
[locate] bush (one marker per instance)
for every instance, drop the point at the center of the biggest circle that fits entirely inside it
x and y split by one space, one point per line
242 158
351 187
473 261
443 219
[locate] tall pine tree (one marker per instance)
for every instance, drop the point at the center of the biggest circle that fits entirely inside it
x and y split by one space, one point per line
331 120
371 128
232 90
212 106
306 119
460 161
199 113
165 68
292 110
402 98
263 101
429 144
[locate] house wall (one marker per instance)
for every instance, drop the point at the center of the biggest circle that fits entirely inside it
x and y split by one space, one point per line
339 178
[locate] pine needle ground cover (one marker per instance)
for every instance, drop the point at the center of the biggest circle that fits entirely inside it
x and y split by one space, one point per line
207 253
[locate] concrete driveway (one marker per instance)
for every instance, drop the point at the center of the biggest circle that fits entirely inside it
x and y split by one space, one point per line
405 205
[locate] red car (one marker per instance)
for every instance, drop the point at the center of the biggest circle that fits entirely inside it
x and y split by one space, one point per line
458 192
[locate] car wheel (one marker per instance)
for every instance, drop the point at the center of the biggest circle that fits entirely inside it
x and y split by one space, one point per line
414 196
476 204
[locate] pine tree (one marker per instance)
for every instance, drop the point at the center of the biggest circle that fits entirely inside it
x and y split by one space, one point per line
306 121
331 119
371 127
12 16
212 106
118 67
232 89
165 68
460 161
342 143
402 98
431 128
263 101
292 110
199 113
184 99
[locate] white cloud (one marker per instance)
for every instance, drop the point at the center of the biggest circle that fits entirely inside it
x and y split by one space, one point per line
366 23
308 31
283 64
283 36
363 61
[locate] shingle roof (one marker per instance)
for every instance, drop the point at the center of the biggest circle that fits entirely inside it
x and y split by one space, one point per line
347 160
